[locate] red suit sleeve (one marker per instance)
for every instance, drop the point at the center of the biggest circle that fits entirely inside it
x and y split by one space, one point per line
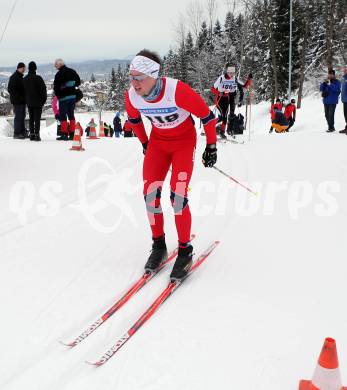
214 91
192 102
135 119
248 83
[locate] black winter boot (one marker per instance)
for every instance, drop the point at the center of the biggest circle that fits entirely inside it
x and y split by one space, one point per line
63 137
158 254
183 263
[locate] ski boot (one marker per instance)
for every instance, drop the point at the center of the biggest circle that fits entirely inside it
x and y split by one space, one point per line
158 255
222 134
63 137
183 263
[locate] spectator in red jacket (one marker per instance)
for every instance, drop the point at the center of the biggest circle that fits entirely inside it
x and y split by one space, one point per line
127 129
290 113
277 106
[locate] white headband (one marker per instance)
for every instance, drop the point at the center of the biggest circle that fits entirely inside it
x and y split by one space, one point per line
231 69
146 66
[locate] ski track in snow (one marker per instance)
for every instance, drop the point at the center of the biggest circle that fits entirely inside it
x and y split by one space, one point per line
253 317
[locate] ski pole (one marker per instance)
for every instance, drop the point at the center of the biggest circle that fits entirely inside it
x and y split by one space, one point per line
237 182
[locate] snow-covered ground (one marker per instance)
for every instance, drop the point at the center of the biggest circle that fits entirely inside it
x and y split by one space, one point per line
74 235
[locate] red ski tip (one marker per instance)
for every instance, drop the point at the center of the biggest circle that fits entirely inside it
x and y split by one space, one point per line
95 364
73 344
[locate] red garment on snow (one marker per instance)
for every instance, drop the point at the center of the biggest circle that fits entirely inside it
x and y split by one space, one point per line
290 111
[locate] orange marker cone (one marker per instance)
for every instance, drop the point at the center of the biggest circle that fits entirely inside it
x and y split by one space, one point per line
102 129
327 374
77 142
92 133
81 129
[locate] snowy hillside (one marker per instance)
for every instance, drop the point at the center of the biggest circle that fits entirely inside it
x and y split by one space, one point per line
74 236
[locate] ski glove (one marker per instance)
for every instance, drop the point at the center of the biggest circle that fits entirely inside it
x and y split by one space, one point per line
144 146
209 157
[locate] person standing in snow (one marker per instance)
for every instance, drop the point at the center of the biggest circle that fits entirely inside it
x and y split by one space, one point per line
106 129
330 89
35 97
344 97
290 113
117 125
17 97
169 105
65 82
225 91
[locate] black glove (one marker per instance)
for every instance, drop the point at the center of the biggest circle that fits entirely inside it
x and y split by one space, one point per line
240 104
209 157
144 146
250 76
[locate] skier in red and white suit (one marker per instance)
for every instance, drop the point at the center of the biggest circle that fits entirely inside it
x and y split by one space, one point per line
168 104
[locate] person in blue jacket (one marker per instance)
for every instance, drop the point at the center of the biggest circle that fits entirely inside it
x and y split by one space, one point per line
330 88
344 97
117 124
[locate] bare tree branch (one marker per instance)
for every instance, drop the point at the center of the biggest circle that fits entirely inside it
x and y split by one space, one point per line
195 14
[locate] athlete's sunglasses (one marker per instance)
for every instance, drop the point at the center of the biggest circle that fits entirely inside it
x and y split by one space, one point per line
137 78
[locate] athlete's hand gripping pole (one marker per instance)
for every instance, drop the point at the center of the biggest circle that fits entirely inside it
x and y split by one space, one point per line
209 157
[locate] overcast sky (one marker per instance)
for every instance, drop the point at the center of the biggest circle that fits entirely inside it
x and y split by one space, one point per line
43 30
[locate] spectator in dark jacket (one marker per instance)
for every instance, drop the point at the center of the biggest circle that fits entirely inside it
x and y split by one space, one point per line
35 96
344 97
17 98
65 82
330 89
117 124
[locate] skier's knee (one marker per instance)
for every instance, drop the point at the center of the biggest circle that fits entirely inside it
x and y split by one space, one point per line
178 202
152 201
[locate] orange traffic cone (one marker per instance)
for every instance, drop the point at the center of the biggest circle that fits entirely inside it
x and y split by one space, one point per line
327 374
92 133
81 129
102 129
77 142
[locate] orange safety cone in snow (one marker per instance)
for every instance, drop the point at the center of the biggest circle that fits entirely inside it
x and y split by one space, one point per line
327 374
102 129
92 132
78 125
77 142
